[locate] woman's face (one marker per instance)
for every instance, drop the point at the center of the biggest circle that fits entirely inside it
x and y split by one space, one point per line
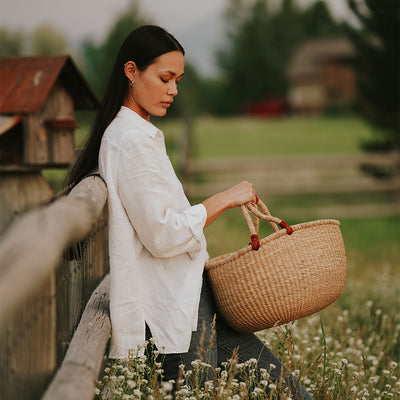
154 88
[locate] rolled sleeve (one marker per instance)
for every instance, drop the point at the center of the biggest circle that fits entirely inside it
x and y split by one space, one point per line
196 216
154 201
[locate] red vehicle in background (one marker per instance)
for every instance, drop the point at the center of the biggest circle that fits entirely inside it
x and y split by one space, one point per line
272 108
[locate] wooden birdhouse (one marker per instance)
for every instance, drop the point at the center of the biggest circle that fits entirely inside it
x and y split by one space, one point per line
38 97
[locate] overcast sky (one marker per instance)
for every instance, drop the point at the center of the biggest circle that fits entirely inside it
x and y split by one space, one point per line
196 23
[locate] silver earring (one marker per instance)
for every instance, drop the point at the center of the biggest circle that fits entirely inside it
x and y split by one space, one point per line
131 84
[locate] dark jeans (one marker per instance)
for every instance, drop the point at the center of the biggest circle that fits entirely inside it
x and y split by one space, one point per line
225 341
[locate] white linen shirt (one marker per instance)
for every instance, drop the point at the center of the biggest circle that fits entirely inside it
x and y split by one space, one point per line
156 243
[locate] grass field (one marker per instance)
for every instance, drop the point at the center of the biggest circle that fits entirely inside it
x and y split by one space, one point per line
351 350
233 137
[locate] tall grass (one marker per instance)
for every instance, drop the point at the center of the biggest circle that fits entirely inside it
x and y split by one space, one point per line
348 351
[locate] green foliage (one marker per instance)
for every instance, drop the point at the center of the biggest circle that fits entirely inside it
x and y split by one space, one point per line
11 42
44 40
261 44
48 40
377 44
190 94
99 59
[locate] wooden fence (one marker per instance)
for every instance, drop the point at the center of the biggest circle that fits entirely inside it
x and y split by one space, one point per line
302 175
45 284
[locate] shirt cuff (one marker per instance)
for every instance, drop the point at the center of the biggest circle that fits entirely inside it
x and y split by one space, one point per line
196 217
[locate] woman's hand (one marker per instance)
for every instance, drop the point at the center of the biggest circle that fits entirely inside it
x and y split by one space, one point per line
237 195
241 193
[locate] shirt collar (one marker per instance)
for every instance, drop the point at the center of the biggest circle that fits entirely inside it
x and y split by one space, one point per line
147 126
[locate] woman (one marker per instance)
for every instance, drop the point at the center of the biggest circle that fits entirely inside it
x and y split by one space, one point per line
156 241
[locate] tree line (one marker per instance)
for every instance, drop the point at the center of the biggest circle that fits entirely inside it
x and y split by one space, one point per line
261 41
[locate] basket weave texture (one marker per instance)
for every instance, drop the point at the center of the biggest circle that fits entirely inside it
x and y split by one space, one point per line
289 277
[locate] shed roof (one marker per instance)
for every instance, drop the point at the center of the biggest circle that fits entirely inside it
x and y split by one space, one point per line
307 60
25 83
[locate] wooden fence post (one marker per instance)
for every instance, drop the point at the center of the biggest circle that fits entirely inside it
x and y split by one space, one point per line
25 368
31 248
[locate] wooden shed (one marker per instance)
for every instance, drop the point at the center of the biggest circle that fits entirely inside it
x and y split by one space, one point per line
321 75
38 96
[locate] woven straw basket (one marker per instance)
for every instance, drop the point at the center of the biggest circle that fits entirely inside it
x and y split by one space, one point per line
288 275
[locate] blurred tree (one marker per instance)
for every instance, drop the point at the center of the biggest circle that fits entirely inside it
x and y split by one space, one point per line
47 40
317 22
245 62
377 44
11 42
188 101
99 59
260 45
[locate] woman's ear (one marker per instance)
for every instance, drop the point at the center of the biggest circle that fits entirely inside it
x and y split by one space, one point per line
130 70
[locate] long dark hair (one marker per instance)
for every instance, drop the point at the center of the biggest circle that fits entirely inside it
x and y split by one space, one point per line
143 45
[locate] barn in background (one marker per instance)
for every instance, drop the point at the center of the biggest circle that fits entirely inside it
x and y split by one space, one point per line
321 76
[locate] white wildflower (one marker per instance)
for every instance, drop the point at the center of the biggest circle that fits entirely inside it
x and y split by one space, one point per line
374 379
131 384
167 386
195 363
272 386
393 364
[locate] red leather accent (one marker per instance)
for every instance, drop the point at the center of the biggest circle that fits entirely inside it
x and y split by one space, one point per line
255 243
288 228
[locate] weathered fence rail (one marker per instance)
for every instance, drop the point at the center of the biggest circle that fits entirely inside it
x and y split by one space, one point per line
81 366
43 289
305 175
277 175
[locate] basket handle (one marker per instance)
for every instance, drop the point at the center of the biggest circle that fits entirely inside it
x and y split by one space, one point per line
264 215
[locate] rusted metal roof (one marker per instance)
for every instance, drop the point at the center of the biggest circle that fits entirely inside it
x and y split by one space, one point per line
25 83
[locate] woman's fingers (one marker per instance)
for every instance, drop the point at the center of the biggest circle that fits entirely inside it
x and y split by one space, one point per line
243 193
